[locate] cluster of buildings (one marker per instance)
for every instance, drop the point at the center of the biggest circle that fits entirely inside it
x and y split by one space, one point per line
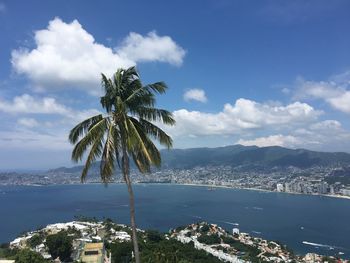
292 180
88 240
312 180
269 251
307 185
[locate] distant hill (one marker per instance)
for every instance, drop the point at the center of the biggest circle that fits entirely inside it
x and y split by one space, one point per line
238 155
248 157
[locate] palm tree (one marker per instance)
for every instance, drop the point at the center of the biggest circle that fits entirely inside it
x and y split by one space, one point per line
125 132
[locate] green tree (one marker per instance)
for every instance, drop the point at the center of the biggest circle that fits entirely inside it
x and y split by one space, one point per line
35 240
209 239
26 255
60 245
124 133
121 252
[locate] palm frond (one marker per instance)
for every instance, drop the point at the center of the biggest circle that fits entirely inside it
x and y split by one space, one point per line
157 87
94 134
108 155
154 114
95 152
83 127
156 132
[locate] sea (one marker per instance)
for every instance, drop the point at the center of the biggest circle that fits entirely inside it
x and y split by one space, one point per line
304 223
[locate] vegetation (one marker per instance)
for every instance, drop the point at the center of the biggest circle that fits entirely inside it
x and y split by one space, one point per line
155 248
60 245
6 252
27 255
209 239
205 228
124 132
252 157
121 252
35 240
86 218
247 252
228 240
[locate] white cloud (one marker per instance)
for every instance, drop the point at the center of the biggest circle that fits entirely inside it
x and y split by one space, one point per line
27 104
151 47
335 91
195 94
272 140
325 135
27 122
67 56
243 115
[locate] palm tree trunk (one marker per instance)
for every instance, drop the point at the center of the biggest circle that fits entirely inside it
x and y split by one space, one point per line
126 167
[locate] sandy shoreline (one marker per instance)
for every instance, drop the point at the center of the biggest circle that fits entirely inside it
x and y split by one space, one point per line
262 190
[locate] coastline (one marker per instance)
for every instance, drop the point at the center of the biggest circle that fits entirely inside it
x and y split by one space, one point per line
189 184
251 189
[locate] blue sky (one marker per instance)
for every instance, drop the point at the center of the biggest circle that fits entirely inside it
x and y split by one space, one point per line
248 72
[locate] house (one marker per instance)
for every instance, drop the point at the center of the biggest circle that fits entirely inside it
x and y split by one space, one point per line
95 253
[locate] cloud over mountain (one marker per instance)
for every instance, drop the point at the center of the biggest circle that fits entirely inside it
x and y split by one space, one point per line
243 115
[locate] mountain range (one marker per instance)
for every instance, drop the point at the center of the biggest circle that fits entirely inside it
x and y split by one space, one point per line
249 157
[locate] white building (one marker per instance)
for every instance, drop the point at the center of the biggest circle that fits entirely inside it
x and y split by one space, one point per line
235 231
280 188
345 192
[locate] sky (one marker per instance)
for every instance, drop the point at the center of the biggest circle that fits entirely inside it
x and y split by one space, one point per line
239 72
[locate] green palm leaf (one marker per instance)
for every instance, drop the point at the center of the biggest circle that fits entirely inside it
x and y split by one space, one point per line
127 132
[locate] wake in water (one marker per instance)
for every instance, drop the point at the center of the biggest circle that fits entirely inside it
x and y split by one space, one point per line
229 223
323 246
256 232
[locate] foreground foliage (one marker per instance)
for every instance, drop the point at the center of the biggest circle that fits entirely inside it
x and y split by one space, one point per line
60 245
155 248
27 255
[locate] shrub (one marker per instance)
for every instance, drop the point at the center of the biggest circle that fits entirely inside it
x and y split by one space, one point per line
60 245
26 255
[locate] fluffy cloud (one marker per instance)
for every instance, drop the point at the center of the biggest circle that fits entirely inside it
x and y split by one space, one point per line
27 104
46 127
151 47
328 133
335 91
67 56
195 94
272 140
243 115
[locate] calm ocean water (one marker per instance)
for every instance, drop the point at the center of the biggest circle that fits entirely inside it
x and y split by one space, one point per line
290 219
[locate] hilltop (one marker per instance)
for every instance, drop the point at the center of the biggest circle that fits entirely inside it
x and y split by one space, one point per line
197 243
244 157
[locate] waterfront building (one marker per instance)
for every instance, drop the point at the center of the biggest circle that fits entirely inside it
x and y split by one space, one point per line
287 187
280 188
95 253
322 188
345 192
